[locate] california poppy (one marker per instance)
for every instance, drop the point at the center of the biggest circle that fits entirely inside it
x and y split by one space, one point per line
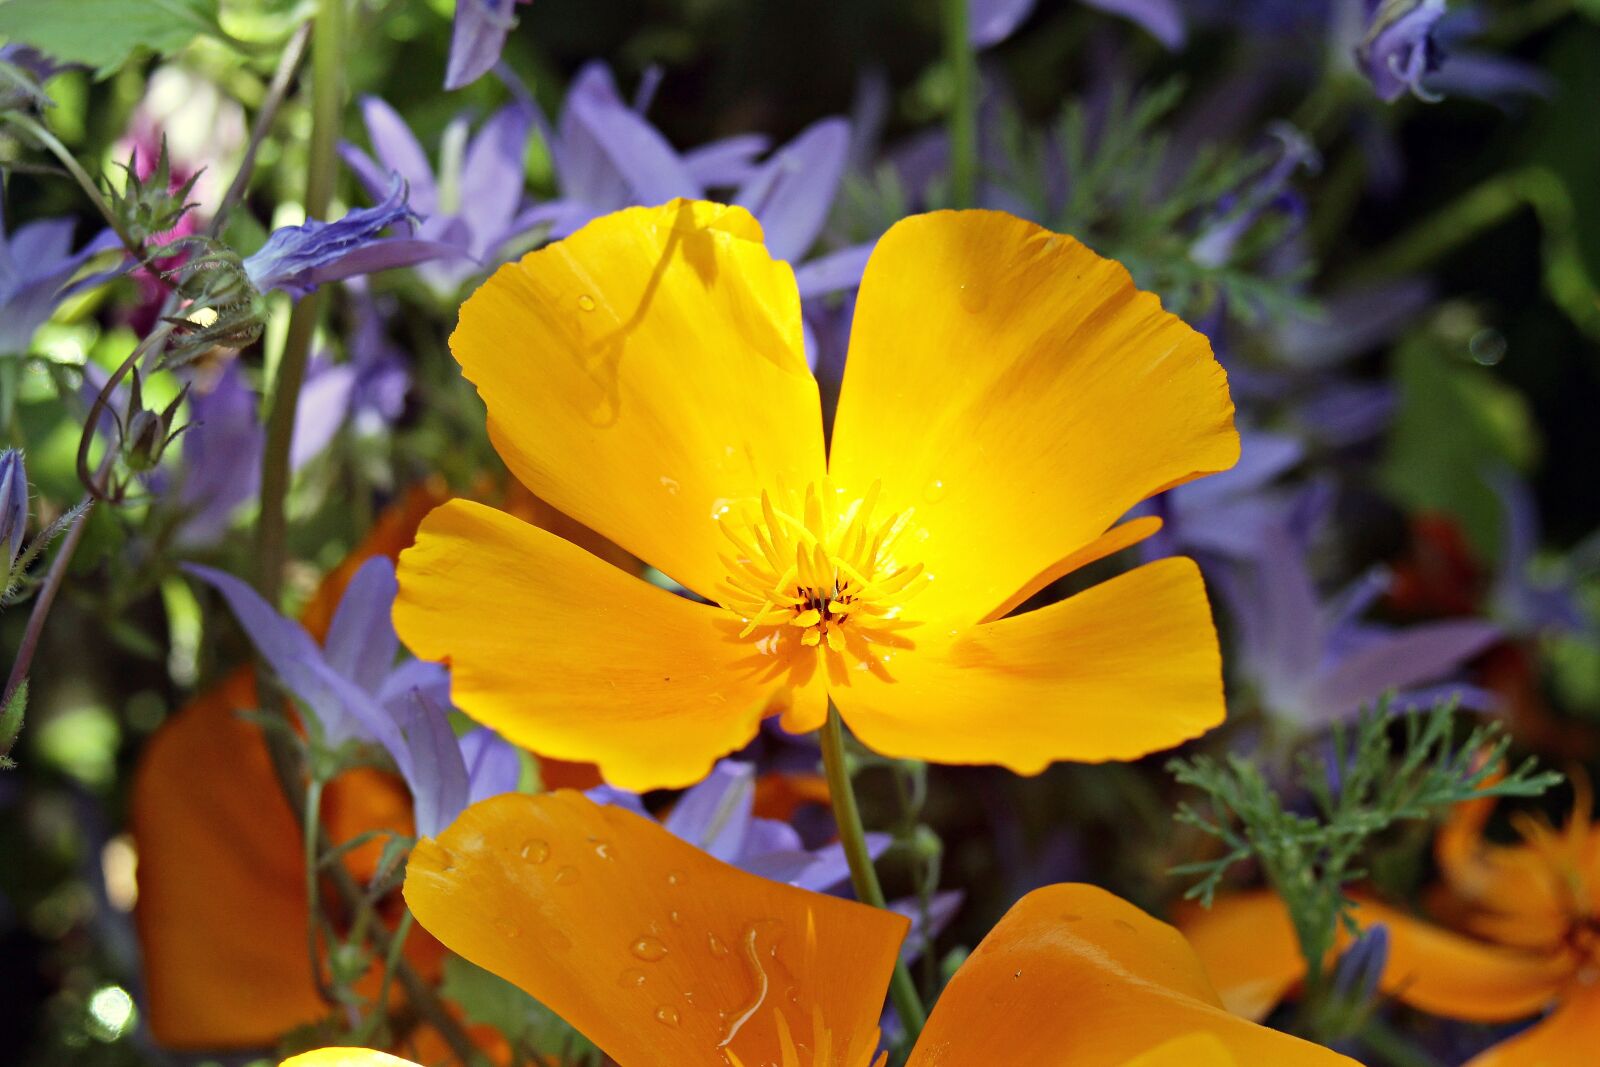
666 957
1523 939
1009 395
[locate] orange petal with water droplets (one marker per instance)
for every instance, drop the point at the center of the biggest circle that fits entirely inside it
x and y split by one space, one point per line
658 953
1129 984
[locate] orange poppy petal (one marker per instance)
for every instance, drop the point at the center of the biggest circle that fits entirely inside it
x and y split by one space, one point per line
1249 949
1075 977
571 658
1017 392
1568 1037
1123 669
658 953
1194 1050
1446 974
346 1057
645 370
222 898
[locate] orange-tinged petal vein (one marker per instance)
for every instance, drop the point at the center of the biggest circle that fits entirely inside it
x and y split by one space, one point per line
660 954
645 370
1075 977
1125 668
570 657
1019 394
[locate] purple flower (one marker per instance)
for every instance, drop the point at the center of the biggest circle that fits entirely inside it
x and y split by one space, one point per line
220 467
13 504
1517 598
474 203
297 259
991 21
355 691
1355 976
477 38
1398 47
1226 514
1313 662
1268 192
36 266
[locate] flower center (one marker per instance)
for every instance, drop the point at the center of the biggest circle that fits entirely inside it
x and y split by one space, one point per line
827 574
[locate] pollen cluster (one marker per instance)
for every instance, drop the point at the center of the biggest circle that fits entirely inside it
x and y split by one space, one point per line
827 575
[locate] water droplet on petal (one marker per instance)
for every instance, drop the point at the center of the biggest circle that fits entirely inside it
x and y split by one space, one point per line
716 945
934 491
507 929
566 876
631 978
586 302
675 917
674 879
670 485
603 850
667 1016
647 948
535 850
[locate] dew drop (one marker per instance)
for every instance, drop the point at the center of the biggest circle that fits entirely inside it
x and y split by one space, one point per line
934 491
508 929
675 917
535 850
603 850
632 978
972 298
566 876
670 485
647 948
667 1016
674 879
716 945
586 302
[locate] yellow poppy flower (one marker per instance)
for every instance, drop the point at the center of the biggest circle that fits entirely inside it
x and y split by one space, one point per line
1009 395
666 957
1529 916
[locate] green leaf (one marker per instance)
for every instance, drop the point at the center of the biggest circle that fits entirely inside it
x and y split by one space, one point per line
492 1001
104 33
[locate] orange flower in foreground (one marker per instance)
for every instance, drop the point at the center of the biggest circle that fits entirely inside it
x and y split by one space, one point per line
666 957
1009 396
1529 916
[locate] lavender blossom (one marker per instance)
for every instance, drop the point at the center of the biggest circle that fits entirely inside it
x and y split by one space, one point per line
220 467
13 504
474 203
297 259
355 691
477 37
1238 215
1226 514
991 21
36 269
1517 597
1398 47
1312 662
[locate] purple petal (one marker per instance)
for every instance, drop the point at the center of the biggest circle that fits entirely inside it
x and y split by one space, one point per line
477 38
607 145
715 814
942 907
726 163
991 21
1262 458
1402 660
492 176
619 798
399 153
432 679
792 191
834 272
361 642
1286 608
1353 321
322 408
430 760
494 765
1162 19
221 458
1495 79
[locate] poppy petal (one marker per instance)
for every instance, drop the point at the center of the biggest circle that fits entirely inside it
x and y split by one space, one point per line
651 686
1192 1050
345 1057
1133 983
645 370
1249 949
655 951
1559 1040
1125 668
1017 392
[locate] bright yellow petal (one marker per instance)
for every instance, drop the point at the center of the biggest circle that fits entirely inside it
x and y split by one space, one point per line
1075 977
574 659
346 1057
1249 949
658 953
643 371
1195 1050
1123 669
1446 974
1020 394
1569 1037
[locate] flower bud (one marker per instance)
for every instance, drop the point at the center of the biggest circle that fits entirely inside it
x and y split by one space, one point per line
1398 48
13 503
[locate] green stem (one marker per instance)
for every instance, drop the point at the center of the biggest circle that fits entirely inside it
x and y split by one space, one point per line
327 97
902 989
963 120
1566 278
310 836
1393 1049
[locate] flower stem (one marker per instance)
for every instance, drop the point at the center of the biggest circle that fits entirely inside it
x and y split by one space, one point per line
902 989
962 123
42 604
327 96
